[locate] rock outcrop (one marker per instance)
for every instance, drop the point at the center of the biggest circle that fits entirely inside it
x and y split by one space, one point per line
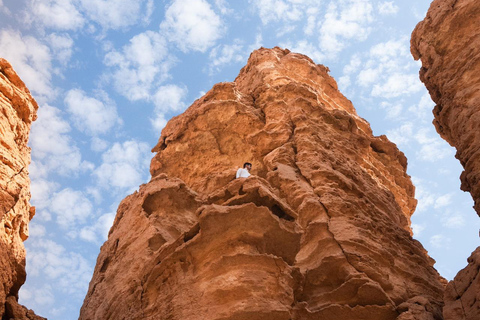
447 41
18 110
321 230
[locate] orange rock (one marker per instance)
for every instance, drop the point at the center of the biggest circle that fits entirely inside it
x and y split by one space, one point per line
18 110
448 42
321 230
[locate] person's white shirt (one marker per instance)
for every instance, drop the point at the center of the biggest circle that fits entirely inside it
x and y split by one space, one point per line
242 173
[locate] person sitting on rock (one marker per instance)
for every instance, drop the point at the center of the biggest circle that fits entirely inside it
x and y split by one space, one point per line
245 171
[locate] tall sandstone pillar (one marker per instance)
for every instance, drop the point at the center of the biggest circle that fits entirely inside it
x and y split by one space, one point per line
321 230
17 111
448 43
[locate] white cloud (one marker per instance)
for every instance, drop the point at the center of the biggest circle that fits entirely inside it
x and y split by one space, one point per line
345 21
141 64
69 271
401 135
98 232
124 166
223 7
71 207
89 114
62 46
439 241
454 220
192 25
4 9
397 84
36 230
393 110
423 110
443 201
98 145
417 229
41 190
387 8
388 70
115 14
307 48
31 60
285 10
167 98
226 54
425 197
52 147
54 14
367 77
433 148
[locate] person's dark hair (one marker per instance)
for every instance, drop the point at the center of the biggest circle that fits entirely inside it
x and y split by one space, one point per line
246 164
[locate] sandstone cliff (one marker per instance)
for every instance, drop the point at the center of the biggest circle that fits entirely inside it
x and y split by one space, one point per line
319 231
18 110
447 41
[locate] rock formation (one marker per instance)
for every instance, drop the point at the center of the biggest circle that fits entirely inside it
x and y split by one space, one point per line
18 110
321 230
447 41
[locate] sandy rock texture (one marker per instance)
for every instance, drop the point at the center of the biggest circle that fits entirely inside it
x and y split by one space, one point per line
18 110
448 43
321 230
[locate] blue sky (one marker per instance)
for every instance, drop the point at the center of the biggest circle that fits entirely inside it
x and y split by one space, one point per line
108 74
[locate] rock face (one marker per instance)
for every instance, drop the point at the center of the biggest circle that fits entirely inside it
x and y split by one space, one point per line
448 42
319 231
18 110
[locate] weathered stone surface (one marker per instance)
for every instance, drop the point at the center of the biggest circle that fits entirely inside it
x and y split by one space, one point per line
18 110
319 231
447 41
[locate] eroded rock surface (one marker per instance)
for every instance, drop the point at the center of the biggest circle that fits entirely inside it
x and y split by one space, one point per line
447 41
319 231
18 110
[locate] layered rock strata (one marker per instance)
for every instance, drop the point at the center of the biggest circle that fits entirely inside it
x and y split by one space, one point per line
447 41
319 231
18 110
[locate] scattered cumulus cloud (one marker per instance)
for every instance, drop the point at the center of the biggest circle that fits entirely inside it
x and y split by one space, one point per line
91 115
124 166
439 241
117 14
443 201
192 25
61 46
71 207
98 232
226 54
453 220
31 59
53 149
417 229
139 65
284 10
166 99
344 22
54 14
69 271
387 8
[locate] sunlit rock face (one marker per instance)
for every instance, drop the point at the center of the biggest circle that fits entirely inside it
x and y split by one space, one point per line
447 41
18 110
320 230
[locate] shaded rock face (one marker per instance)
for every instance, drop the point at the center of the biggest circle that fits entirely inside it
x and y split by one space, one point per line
319 231
18 110
448 42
